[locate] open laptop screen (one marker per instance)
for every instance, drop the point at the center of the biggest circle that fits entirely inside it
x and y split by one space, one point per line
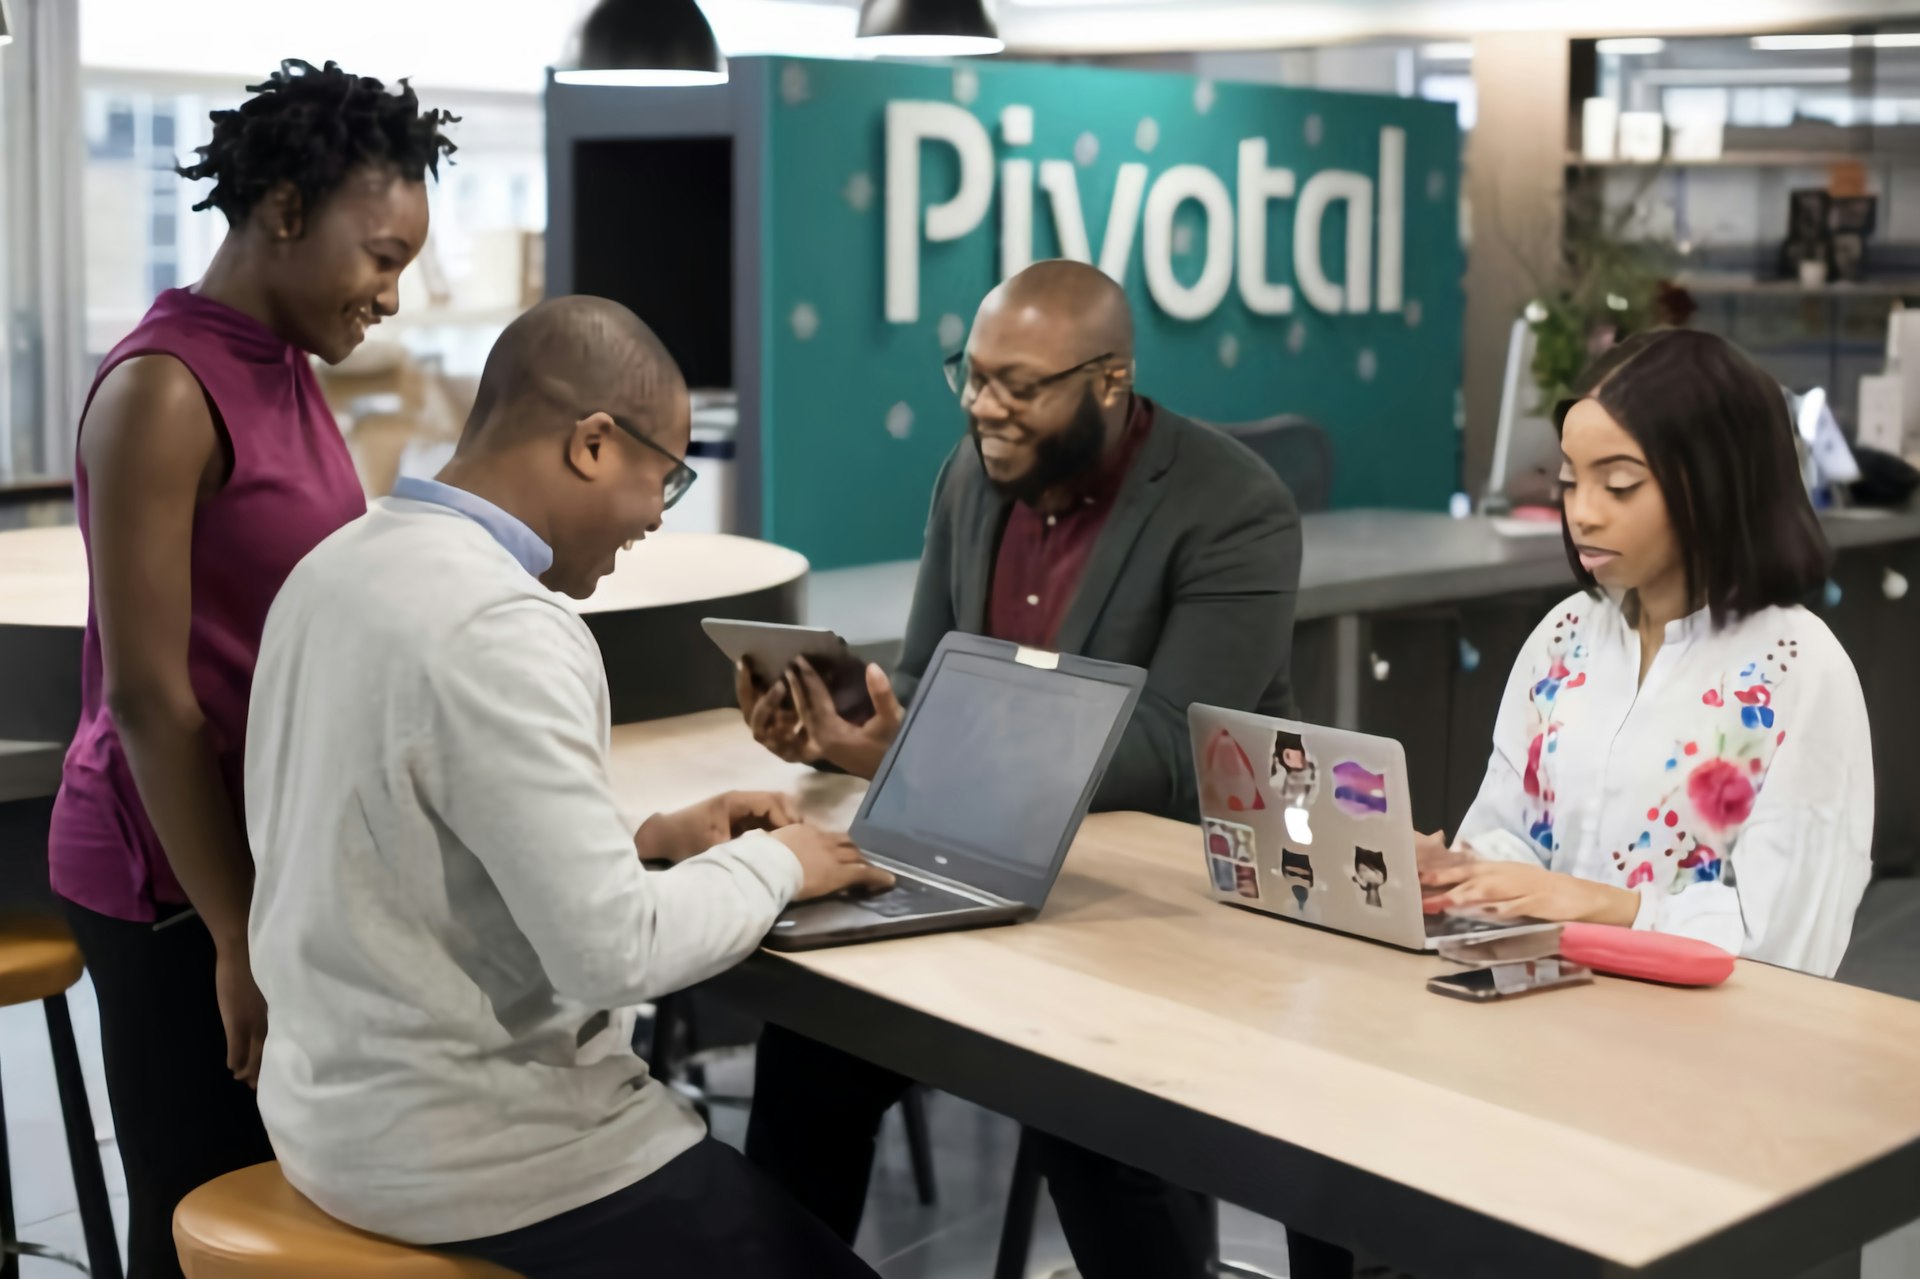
993 771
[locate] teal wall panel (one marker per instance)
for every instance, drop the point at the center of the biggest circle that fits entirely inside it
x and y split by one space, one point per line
856 415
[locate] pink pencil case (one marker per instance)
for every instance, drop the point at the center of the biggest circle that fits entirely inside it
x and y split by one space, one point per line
1661 957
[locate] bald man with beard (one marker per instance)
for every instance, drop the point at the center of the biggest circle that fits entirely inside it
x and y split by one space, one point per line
1076 516
451 922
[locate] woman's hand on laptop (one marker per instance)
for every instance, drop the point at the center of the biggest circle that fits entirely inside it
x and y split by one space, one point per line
1432 856
853 748
772 718
1506 890
829 864
690 831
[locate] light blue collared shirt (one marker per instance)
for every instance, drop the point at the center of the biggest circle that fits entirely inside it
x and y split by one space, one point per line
521 542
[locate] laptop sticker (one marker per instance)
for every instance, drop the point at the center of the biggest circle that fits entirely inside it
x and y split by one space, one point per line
1247 882
1221 869
1292 775
1227 774
1370 872
1358 791
1297 869
1228 840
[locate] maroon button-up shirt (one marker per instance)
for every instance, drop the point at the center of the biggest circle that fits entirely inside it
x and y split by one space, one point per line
1041 557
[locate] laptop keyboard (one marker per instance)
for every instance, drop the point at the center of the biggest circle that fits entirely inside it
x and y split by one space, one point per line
914 897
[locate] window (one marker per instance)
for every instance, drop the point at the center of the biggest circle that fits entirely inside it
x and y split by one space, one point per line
19 372
151 73
41 376
142 236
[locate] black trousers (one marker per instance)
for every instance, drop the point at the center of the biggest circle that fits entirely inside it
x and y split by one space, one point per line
817 1111
179 1115
706 1214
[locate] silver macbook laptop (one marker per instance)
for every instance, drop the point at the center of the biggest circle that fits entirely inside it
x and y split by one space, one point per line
980 796
1312 824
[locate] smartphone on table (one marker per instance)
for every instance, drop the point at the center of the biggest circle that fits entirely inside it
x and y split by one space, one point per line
1510 980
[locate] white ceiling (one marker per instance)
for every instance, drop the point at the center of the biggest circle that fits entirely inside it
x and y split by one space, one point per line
1091 26
1087 26
507 44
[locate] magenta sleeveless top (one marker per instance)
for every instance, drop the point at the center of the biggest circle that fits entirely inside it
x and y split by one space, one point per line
292 484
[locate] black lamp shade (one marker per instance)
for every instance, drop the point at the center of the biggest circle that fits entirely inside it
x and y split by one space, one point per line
646 42
963 22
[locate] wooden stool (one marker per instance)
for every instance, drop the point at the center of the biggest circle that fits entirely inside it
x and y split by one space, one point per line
252 1225
40 962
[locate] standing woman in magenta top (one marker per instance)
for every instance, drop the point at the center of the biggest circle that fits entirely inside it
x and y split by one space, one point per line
208 466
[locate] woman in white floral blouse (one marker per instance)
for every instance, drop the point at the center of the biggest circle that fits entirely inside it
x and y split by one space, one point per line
1682 747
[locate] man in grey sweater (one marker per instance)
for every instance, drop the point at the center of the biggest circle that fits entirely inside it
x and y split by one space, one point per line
1078 516
451 922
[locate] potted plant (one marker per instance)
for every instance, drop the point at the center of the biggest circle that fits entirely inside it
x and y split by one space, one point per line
1607 286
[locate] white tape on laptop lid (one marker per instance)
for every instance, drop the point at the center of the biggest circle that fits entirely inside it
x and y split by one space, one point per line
1038 658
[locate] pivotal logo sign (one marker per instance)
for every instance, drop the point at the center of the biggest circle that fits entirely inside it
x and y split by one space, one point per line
1143 211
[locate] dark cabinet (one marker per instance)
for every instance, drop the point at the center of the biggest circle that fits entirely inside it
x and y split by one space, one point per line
1877 620
1406 693
1397 669
1316 671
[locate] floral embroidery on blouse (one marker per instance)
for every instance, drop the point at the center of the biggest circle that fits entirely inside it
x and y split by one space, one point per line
1565 669
1721 779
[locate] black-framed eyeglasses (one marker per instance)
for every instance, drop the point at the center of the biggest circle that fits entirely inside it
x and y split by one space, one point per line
679 479
968 382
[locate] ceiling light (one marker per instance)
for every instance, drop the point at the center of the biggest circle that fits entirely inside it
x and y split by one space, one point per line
1802 42
1897 40
1448 51
646 42
1631 45
928 28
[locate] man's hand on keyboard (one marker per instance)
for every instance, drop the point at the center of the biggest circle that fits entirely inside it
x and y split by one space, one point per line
829 864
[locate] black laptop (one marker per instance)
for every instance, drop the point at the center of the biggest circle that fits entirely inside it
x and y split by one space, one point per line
977 801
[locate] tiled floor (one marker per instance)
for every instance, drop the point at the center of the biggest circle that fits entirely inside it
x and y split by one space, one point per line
955 1239
43 1198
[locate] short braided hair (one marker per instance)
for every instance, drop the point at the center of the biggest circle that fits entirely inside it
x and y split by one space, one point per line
311 126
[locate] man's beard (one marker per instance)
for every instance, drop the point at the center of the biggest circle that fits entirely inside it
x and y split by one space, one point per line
1059 458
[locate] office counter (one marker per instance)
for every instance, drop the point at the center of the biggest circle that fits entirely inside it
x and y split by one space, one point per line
1362 561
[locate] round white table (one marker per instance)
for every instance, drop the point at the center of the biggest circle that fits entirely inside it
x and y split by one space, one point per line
646 615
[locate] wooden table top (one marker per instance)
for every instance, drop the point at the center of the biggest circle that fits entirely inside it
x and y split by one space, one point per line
1623 1120
43 574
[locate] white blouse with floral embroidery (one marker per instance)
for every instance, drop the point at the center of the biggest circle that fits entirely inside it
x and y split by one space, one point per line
1733 790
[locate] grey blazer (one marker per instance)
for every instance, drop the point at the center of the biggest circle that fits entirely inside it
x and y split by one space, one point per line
1193 578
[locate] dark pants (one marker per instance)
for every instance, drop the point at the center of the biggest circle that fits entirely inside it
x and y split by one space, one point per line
817 1111
706 1214
179 1115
